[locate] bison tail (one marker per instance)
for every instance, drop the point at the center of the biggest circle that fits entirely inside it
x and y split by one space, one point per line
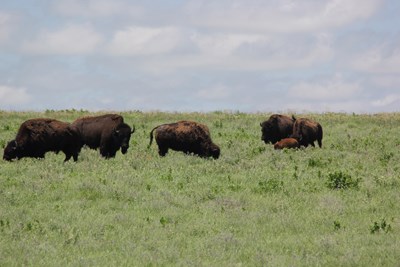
151 136
319 135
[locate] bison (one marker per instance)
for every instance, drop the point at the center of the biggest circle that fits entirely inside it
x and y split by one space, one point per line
286 143
186 136
307 131
109 132
35 137
276 128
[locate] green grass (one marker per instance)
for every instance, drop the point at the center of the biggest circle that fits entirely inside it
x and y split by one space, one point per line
335 206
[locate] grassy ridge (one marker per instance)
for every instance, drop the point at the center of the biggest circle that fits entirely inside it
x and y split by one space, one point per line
339 205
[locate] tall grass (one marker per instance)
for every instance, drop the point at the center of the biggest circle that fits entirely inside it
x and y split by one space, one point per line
335 206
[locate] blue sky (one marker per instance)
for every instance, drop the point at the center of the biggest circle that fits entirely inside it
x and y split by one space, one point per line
201 55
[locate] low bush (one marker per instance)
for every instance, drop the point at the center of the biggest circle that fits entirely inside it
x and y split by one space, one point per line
341 180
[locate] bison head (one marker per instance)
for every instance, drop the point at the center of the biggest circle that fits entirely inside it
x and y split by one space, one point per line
11 151
270 131
214 151
121 136
276 128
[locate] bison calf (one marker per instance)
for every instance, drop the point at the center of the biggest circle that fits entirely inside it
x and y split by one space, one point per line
286 143
185 136
109 132
35 137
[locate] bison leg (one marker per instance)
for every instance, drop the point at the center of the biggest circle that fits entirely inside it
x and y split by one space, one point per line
67 157
162 151
71 153
104 152
112 154
107 154
319 142
107 150
38 156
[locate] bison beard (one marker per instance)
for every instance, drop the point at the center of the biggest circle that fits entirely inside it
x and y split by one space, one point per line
107 132
37 136
186 136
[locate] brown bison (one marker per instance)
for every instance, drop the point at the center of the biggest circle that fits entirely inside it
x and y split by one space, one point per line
109 132
307 131
35 137
286 143
186 136
276 128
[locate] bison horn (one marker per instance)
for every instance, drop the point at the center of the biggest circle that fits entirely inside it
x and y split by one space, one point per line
133 129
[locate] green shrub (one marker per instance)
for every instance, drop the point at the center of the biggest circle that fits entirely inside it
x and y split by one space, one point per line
382 226
337 225
270 185
341 180
386 157
316 162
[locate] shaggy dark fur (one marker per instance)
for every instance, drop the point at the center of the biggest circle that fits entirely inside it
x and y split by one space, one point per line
35 137
186 136
306 132
286 143
109 132
276 128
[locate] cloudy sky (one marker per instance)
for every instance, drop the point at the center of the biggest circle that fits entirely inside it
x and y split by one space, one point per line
200 55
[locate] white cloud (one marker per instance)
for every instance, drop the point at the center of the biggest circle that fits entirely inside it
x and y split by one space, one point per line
377 60
341 12
224 44
280 16
136 41
218 92
5 26
328 90
95 8
387 100
350 105
201 54
71 40
10 96
386 81
249 52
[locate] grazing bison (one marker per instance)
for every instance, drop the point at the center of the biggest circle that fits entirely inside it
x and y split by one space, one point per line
109 132
286 143
35 137
276 128
307 131
186 136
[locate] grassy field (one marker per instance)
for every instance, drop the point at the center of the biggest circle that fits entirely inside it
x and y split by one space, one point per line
335 206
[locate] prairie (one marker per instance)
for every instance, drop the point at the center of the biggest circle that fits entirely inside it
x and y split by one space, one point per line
338 205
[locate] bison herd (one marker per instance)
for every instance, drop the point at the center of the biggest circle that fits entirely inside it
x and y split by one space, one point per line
110 133
289 132
35 137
